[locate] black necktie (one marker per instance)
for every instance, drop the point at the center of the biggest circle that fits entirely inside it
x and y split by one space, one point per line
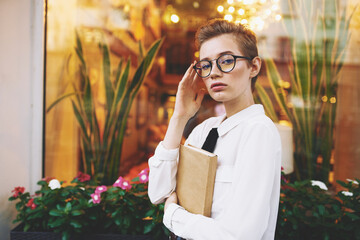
211 139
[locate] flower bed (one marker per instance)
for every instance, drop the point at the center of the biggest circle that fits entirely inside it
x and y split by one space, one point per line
308 210
83 207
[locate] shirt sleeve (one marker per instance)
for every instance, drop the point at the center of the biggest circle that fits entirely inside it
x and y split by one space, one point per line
162 174
163 169
248 206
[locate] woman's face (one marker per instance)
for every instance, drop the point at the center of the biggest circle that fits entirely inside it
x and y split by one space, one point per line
231 87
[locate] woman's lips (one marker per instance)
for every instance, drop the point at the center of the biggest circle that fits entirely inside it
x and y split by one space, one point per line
218 86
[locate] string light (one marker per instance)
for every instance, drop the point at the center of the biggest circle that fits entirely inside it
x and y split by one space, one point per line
228 17
255 13
241 11
220 9
175 18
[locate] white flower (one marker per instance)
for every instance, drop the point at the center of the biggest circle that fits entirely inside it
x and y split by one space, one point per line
352 181
54 184
319 184
347 193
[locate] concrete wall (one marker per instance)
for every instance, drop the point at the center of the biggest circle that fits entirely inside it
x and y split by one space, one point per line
21 93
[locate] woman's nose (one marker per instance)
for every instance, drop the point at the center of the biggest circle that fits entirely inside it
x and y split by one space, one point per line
215 71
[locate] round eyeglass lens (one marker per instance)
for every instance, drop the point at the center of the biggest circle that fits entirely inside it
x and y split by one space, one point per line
226 62
203 68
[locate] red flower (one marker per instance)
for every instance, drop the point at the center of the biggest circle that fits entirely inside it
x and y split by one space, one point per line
31 204
82 177
17 191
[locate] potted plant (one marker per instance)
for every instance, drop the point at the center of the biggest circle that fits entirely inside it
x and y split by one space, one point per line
86 210
318 40
101 146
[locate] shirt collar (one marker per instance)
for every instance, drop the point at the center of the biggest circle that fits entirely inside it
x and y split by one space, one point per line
226 125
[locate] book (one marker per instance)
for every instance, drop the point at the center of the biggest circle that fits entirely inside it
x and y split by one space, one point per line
195 179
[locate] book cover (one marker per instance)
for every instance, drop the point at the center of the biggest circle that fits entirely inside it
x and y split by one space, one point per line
196 179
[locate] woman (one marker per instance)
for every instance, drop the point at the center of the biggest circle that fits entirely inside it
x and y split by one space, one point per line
247 184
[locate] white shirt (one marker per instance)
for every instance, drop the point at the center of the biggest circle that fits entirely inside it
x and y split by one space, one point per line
247 183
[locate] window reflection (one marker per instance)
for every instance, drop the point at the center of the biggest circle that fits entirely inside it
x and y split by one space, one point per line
123 23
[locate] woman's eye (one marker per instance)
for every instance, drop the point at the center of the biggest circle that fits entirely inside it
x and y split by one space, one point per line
205 66
227 61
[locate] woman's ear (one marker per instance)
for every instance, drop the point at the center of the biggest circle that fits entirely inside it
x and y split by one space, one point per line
255 67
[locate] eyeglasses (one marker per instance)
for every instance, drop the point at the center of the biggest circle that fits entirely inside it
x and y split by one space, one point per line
226 63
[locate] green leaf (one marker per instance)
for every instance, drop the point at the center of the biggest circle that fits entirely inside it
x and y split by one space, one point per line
118 72
56 213
266 101
353 216
109 91
68 207
122 83
88 101
321 209
59 100
77 212
149 227
27 227
65 235
145 64
81 122
75 224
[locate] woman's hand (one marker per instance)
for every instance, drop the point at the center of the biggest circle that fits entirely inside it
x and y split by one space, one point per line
188 102
188 96
171 199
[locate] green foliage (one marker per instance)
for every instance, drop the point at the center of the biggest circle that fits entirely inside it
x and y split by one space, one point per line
309 212
72 211
101 149
318 39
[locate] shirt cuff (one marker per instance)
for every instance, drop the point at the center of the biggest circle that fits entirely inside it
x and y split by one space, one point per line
163 154
169 214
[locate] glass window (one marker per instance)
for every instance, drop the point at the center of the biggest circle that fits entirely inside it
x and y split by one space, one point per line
311 59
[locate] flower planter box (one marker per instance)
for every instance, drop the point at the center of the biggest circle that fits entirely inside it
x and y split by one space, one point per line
18 234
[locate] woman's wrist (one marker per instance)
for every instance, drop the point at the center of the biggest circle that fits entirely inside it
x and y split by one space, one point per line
174 132
179 118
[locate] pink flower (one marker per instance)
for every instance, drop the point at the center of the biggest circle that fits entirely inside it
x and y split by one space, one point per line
96 198
122 183
82 177
100 189
144 175
126 185
17 191
31 204
118 182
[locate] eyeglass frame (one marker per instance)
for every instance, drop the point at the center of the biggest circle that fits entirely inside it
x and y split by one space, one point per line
217 63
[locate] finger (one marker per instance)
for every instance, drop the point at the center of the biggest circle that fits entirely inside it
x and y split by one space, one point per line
200 96
188 73
196 79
